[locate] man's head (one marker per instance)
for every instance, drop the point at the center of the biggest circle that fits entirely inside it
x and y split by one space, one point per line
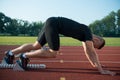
98 42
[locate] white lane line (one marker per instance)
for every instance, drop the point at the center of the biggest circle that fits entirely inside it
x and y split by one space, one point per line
71 61
61 61
67 54
110 54
64 54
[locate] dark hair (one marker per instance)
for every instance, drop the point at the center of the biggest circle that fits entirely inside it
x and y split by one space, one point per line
102 45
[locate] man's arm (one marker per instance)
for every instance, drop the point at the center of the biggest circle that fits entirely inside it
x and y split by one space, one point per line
93 57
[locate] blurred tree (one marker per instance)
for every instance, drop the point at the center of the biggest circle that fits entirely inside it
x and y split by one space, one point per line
105 26
35 28
23 27
97 27
4 22
118 23
2 17
110 26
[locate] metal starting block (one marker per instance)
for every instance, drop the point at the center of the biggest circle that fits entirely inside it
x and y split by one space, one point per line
17 67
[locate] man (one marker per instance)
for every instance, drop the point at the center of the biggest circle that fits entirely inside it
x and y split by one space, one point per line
50 34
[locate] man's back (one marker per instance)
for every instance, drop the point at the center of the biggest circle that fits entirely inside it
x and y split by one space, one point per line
74 29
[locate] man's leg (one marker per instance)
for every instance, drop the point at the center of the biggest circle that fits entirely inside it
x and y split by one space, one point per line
50 34
9 55
26 48
41 53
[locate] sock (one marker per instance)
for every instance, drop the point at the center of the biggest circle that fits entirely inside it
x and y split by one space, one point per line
10 53
24 56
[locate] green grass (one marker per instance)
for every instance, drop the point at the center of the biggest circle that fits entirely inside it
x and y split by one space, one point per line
14 40
65 41
112 41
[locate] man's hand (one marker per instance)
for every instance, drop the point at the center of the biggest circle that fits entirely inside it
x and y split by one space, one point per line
108 72
93 58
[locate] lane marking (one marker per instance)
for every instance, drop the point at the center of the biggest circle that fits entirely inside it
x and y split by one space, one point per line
61 53
62 78
72 61
82 54
61 61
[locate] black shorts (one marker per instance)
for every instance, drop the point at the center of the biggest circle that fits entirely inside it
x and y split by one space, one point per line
59 25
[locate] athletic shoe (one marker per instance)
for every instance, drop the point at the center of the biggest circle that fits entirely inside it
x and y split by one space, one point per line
23 62
8 58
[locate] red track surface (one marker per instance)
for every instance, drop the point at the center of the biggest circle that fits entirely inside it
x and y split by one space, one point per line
70 64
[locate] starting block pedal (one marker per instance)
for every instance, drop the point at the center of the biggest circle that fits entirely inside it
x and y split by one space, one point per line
3 61
17 67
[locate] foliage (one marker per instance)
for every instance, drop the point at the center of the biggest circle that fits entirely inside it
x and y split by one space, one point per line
17 27
108 26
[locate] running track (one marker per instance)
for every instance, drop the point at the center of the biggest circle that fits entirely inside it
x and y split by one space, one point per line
70 64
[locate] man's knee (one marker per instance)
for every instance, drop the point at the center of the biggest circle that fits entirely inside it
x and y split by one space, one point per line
51 22
36 45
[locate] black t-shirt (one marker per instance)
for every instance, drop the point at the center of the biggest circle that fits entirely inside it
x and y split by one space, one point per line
74 29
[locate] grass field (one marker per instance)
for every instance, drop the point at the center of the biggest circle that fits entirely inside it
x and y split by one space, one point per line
65 41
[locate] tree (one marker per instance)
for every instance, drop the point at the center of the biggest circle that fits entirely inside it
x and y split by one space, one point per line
2 17
118 23
23 27
6 24
35 28
110 26
105 26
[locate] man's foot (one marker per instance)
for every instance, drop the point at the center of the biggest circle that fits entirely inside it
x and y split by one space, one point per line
23 62
9 58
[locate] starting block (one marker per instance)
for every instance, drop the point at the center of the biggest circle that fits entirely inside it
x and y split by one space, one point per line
17 67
